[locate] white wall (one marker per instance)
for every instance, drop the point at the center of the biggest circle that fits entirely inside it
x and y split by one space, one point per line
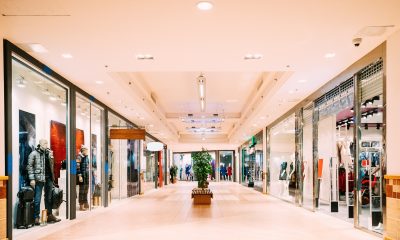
393 103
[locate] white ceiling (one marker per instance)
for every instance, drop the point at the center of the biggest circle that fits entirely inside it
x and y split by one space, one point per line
293 37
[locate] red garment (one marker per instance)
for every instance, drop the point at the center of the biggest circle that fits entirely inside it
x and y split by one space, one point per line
229 171
342 180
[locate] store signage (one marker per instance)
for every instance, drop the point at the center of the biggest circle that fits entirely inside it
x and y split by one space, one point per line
154 146
132 134
253 141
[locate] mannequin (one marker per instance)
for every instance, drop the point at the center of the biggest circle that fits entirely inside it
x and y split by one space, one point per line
83 177
40 170
229 172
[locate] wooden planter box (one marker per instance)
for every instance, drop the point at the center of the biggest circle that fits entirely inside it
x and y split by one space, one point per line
202 196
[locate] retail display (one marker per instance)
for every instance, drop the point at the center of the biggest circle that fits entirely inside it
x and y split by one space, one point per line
82 170
27 142
40 170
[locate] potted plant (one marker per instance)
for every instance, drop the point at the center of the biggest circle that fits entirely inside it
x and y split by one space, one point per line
173 171
202 167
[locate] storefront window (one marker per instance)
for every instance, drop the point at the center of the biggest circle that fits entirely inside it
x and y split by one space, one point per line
123 153
282 160
370 164
150 168
39 135
252 162
89 153
226 162
184 163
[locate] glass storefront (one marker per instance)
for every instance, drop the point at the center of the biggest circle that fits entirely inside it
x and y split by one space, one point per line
89 153
38 133
184 163
370 147
39 139
252 162
123 180
283 165
226 163
335 125
151 168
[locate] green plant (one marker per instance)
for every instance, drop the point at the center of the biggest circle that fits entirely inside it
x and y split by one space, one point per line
173 171
201 167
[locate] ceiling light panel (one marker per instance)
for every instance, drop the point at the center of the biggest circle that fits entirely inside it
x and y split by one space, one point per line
66 55
38 48
255 56
204 5
144 57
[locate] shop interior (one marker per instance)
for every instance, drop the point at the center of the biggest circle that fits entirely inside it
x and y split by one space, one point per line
226 165
282 156
39 106
89 154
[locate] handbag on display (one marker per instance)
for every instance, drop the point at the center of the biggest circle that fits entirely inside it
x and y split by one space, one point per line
97 190
26 194
56 197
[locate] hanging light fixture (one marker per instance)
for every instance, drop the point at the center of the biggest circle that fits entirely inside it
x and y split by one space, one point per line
202 91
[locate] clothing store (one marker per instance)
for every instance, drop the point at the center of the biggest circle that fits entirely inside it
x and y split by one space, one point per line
327 154
252 162
282 177
50 181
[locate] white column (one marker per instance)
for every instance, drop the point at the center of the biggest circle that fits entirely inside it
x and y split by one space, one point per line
264 147
393 103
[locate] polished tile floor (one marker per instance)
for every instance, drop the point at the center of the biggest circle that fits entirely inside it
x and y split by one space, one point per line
236 212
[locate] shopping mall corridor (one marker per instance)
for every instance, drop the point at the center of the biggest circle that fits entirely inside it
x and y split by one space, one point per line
236 212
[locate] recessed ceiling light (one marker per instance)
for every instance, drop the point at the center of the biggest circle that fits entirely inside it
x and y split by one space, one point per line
231 100
53 98
302 81
36 47
66 55
141 118
151 125
330 55
203 139
144 57
204 6
255 56
99 82
263 117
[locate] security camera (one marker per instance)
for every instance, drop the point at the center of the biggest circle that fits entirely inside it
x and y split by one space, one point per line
357 42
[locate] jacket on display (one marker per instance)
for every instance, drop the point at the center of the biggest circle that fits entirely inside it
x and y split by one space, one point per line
36 167
83 167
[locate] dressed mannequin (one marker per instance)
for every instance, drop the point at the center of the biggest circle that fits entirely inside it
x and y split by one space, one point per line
82 164
40 170
229 172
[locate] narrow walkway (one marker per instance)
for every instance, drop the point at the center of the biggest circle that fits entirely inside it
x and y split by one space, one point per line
236 212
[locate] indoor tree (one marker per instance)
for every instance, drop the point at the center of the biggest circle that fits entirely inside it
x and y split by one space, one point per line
201 167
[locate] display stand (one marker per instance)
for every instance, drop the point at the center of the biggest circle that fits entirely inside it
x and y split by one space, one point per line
350 189
334 196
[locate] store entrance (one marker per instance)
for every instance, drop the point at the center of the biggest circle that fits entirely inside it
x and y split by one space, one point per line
335 173
226 165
